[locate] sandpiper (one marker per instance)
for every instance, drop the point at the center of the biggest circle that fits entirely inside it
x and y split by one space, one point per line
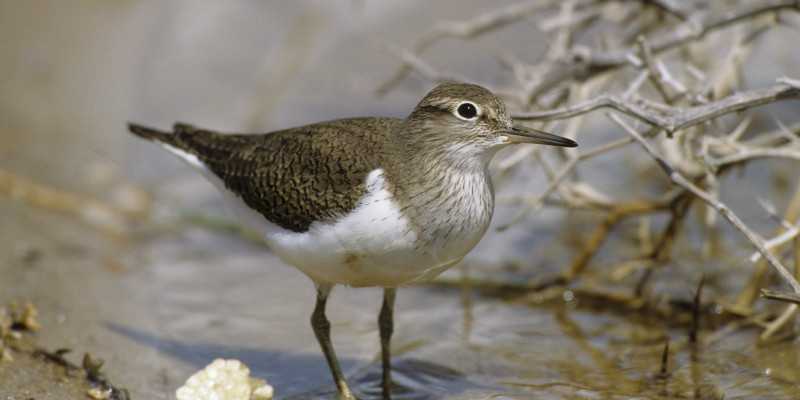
364 201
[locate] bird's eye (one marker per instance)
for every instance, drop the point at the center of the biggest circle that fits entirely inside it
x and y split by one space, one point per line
467 110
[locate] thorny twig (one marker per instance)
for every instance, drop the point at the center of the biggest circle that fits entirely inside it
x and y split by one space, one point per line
676 69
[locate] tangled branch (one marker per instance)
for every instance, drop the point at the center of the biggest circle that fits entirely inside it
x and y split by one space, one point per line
670 75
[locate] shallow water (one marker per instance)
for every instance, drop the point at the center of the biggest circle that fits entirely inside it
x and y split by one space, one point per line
175 301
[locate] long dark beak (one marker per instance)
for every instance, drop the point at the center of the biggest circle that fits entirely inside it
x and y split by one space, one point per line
523 134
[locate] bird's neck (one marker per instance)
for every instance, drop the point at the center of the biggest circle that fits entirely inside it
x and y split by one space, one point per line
443 190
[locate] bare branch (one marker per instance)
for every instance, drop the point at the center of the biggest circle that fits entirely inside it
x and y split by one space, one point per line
781 295
694 28
412 62
677 118
464 30
720 207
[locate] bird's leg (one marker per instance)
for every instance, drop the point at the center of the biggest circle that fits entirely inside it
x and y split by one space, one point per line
386 327
322 330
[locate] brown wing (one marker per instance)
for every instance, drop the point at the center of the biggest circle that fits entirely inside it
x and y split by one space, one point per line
293 177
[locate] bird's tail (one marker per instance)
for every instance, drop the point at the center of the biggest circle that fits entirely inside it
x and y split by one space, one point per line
153 134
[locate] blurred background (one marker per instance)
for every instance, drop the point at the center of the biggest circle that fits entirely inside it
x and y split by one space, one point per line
127 254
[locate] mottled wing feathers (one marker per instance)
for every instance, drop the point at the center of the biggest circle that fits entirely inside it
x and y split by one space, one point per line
292 177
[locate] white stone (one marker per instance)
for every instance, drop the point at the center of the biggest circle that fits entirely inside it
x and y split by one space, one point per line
224 380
